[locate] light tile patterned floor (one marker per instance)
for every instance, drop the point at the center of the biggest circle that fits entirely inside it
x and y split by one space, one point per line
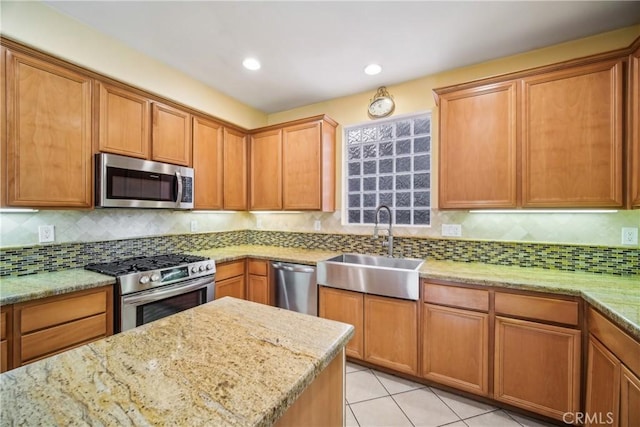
378 399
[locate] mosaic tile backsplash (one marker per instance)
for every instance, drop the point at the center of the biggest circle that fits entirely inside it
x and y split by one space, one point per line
594 259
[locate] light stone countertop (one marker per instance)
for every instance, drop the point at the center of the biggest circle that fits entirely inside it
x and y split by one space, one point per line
229 362
35 286
616 296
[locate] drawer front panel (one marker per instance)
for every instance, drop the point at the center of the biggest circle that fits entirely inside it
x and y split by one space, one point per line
230 269
622 345
539 308
39 316
474 299
52 340
258 267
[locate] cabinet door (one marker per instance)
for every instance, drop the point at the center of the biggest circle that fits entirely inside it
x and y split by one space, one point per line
171 137
49 134
233 287
478 148
302 166
456 348
265 186
346 307
124 121
603 382
537 366
634 129
208 163
235 170
572 137
5 338
629 399
391 333
259 290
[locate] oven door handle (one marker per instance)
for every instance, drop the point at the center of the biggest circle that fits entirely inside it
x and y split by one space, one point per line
162 293
179 183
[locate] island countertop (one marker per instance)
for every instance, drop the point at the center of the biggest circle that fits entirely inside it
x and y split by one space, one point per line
228 362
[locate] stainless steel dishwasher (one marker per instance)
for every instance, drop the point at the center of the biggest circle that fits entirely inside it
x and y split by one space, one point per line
296 287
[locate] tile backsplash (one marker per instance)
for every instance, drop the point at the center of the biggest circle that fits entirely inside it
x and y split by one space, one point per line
594 259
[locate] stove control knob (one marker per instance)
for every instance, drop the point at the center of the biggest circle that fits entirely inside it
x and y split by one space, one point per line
194 269
201 268
155 277
144 280
209 266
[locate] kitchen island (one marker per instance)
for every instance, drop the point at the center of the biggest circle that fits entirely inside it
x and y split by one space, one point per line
228 362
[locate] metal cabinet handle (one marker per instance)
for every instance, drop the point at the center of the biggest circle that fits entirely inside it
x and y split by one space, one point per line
296 269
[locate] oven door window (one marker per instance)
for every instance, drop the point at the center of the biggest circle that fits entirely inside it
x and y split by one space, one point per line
166 307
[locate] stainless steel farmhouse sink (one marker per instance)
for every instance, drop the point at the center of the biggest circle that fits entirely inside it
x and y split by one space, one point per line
372 274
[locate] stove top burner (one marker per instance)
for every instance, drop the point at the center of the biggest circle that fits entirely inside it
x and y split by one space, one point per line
143 264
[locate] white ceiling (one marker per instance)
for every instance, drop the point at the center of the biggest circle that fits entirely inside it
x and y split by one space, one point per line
312 51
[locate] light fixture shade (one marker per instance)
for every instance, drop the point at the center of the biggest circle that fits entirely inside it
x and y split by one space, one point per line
373 69
251 64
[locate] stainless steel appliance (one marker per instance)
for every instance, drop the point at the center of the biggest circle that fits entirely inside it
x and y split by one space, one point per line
296 287
150 288
126 182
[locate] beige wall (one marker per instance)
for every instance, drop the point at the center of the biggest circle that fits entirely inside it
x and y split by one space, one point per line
36 25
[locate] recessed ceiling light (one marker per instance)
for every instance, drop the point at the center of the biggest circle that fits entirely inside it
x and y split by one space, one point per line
372 69
251 64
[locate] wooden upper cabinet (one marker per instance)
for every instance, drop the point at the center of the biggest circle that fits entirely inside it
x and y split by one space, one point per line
171 135
49 136
634 130
208 163
478 147
302 160
235 170
265 183
572 123
124 121
293 165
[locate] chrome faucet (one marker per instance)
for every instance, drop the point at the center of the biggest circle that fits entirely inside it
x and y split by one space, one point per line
389 240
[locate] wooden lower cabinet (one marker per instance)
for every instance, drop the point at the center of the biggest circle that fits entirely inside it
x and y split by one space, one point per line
348 307
322 402
455 348
386 329
612 383
629 399
48 326
259 286
5 337
537 366
603 383
230 280
391 333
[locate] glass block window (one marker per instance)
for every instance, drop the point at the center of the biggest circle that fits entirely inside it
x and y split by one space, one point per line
389 163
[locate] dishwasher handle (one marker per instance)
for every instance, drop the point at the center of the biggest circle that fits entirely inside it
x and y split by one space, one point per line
293 268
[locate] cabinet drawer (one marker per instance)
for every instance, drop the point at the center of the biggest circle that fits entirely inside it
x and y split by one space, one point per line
539 308
229 269
474 299
39 316
622 345
62 337
3 325
258 267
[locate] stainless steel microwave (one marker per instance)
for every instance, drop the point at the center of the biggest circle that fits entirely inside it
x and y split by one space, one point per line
127 182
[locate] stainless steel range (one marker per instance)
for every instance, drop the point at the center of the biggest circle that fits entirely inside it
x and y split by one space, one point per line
150 288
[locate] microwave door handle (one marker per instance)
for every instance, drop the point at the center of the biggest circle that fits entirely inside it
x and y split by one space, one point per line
179 182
